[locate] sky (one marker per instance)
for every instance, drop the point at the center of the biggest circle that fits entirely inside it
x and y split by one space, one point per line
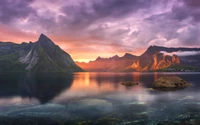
87 29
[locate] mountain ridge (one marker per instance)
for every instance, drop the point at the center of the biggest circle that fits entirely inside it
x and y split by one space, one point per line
114 63
45 56
40 56
155 58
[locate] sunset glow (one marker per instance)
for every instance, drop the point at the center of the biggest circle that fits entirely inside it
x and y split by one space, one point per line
88 29
100 62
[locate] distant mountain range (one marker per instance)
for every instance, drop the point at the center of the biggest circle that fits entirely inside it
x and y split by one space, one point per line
45 56
41 56
155 58
114 63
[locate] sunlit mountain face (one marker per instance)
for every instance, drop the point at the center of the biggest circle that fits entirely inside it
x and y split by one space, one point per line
155 58
88 29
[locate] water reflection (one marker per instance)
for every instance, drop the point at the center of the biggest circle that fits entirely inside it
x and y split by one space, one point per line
93 84
41 86
99 98
112 80
131 105
47 86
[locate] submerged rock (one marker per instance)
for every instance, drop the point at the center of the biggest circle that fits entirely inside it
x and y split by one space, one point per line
129 83
170 82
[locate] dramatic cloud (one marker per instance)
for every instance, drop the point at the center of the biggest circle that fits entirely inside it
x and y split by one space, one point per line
14 9
92 28
84 14
192 3
188 9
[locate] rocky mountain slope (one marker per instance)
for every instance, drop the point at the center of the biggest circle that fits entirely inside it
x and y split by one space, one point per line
155 58
41 56
114 63
157 61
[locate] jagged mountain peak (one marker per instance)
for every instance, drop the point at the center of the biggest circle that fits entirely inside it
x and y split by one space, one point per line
110 58
44 56
114 63
45 41
128 55
153 49
42 36
98 58
114 57
154 58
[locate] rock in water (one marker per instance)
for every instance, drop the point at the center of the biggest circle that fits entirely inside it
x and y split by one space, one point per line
170 82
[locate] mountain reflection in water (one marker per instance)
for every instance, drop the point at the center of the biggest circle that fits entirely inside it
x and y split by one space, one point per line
41 86
96 98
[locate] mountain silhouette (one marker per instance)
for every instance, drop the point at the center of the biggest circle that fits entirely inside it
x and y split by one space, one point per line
41 56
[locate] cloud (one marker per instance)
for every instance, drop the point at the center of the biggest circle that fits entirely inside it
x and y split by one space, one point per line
188 8
86 13
11 10
190 36
105 22
184 53
192 3
104 26
177 27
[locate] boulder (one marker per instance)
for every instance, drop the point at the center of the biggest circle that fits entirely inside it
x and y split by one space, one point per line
170 82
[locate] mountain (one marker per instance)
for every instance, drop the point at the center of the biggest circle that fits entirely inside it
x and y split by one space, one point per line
114 63
158 58
41 56
155 58
154 62
45 56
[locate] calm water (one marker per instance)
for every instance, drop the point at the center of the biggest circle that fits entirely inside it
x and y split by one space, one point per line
96 99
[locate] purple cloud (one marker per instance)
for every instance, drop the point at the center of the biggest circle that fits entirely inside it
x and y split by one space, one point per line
14 9
115 25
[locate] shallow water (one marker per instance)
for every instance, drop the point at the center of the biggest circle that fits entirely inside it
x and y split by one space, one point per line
96 99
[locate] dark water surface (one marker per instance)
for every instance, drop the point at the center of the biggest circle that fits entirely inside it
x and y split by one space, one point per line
96 99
